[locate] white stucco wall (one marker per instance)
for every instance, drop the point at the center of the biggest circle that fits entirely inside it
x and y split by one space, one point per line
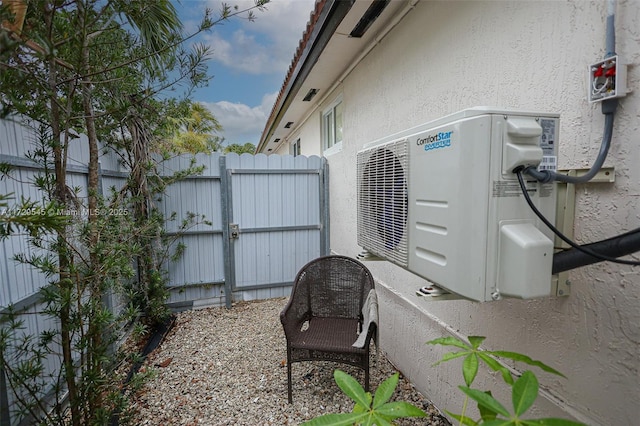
310 137
448 56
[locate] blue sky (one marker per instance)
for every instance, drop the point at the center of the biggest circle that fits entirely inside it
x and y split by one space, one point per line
249 62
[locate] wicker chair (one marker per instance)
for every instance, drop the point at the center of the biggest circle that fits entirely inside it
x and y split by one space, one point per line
323 317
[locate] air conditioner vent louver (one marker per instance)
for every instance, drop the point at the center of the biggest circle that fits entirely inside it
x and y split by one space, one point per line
383 200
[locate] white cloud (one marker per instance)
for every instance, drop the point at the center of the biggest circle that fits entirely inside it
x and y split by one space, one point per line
241 52
242 123
265 45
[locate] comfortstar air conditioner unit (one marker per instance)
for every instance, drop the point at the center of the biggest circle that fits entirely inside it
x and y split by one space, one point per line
441 200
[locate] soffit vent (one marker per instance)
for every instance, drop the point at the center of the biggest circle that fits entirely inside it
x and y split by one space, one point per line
368 18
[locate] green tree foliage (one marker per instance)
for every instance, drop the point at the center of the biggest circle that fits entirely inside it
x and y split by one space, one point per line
29 216
195 131
248 148
99 68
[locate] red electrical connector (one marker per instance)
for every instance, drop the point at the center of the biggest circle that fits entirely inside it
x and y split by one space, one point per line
598 72
611 72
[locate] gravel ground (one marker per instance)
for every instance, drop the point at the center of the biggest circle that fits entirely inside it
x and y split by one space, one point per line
228 367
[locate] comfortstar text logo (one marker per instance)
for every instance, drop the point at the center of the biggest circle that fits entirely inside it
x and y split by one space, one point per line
436 141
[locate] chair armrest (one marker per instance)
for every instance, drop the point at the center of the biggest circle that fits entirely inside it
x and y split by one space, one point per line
292 320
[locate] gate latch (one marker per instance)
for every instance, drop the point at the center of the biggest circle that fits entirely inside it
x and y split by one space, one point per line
234 231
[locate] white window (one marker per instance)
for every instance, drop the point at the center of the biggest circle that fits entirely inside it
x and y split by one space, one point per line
295 148
332 125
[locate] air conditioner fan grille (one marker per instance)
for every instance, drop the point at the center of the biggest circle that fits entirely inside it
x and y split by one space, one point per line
383 201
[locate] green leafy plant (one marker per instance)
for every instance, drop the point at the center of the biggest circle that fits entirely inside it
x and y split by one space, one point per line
524 389
29 216
368 410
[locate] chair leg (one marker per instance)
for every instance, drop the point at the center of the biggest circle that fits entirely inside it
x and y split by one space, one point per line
290 393
366 379
366 373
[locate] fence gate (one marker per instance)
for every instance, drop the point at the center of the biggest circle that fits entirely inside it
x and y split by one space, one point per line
269 217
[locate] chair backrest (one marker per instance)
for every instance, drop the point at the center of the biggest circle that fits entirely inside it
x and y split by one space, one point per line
332 286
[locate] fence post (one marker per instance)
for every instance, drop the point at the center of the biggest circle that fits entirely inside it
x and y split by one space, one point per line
325 246
225 206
